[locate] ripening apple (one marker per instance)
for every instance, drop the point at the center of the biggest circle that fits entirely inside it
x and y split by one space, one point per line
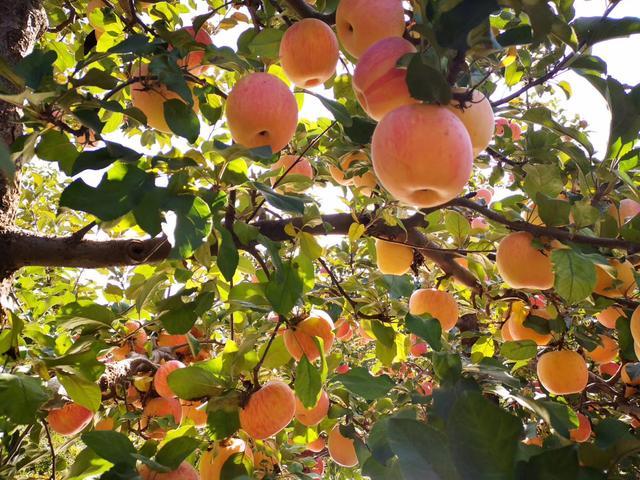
422 155
184 472
380 86
341 449
437 303
616 279
150 95
212 461
346 161
314 415
193 60
477 116
344 330
361 23
70 419
309 52
193 412
268 410
300 339
521 265
302 167
484 194
393 258
160 382
479 223
160 407
262 111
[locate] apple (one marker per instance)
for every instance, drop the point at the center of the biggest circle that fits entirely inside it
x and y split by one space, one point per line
262 111
302 167
422 155
522 265
437 303
314 415
380 86
477 116
393 258
193 60
70 419
299 339
160 383
149 97
309 52
268 410
361 23
341 449
212 461
184 472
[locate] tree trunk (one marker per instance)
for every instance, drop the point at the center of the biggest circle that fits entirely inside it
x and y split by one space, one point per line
22 22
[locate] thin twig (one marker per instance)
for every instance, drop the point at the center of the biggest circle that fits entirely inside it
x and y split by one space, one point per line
53 452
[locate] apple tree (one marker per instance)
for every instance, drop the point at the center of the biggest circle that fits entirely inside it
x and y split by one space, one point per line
434 278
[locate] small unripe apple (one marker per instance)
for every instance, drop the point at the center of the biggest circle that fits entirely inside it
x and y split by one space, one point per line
309 52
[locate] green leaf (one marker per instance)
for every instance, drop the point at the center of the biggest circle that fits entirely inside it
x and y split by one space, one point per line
193 223
285 288
55 146
7 167
575 274
309 245
193 382
558 416
36 67
308 384
175 451
558 464
103 157
266 43
282 202
136 43
82 391
228 257
237 467
222 422
543 116
545 179
625 339
483 438
591 30
97 78
87 464
427 328
112 446
359 381
361 130
21 397
338 110
427 83
182 120
446 366
553 212
421 449
454 25
457 225
520 350
117 193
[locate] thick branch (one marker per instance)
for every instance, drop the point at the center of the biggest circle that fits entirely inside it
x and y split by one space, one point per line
304 10
19 250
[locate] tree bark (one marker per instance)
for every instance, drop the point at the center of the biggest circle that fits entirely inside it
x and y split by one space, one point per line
22 22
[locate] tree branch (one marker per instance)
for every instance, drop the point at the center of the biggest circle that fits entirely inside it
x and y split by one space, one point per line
304 10
18 249
557 233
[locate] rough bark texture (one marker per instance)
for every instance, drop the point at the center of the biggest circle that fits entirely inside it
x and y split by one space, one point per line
22 22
